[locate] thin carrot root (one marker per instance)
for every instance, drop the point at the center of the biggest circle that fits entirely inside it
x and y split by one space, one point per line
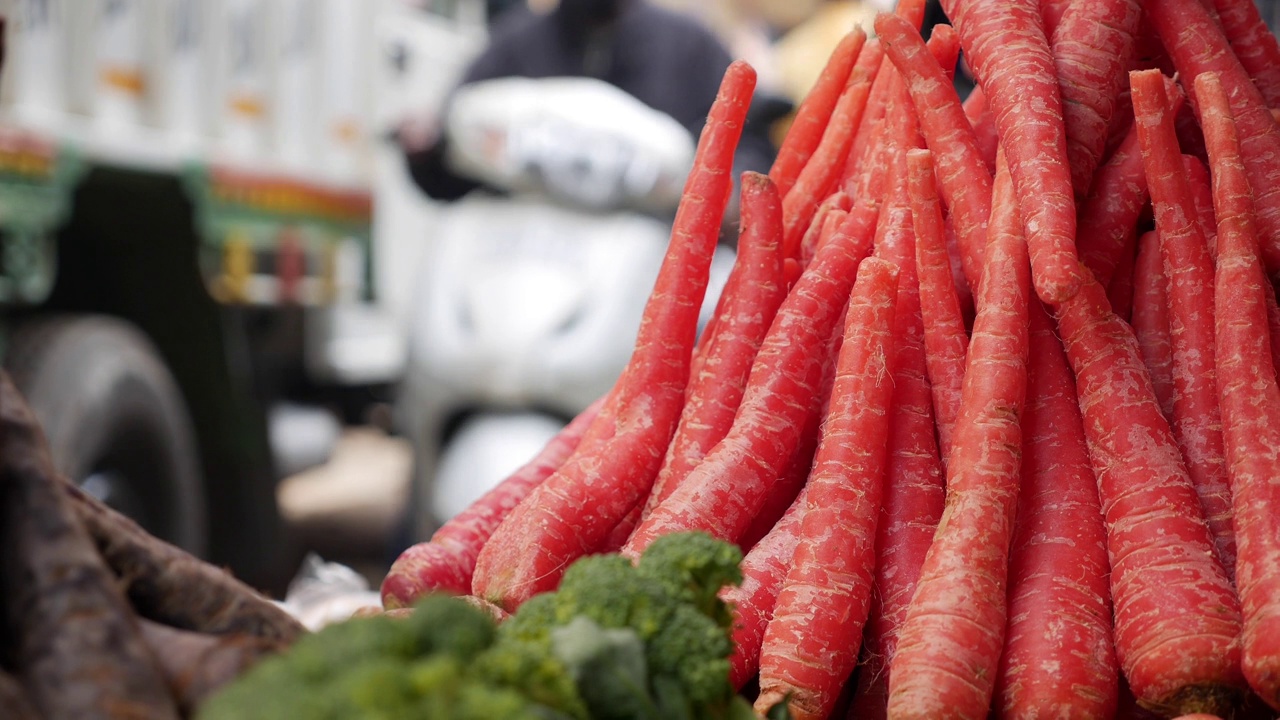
824 600
950 645
1250 397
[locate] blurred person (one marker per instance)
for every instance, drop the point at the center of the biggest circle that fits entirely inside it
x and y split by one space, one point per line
665 59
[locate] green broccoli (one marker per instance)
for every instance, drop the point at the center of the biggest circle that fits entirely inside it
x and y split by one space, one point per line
669 601
441 662
615 641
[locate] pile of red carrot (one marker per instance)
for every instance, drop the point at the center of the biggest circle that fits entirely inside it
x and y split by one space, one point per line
990 399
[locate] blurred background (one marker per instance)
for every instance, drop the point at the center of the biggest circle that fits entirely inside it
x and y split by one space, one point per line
284 277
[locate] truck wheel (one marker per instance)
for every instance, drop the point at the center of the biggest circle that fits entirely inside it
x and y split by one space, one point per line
115 420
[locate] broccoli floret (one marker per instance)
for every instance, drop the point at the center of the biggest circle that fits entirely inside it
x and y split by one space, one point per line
531 669
609 667
667 602
695 650
693 567
383 669
609 590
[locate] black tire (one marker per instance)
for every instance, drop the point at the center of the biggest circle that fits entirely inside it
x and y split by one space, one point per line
115 420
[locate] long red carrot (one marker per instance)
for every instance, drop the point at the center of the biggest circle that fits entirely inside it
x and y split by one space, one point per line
446 562
824 600
1007 48
1273 324
866 142
1254 45
1092 48
1202 197
1110 212
764 568
1058 651
944 45
1188 268
821 173
1177 620
723 356
783 492
725 492
747 305
945 337
869 62
1120 289
530 550
1249 394
914 487
984 126
949 646
964 183
1151 320
814 113
1051 12
830 226
1197 45
809 243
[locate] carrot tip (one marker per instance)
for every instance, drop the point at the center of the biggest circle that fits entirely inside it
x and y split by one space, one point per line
1057 290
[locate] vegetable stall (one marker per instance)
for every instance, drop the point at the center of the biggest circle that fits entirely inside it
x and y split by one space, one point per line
986 423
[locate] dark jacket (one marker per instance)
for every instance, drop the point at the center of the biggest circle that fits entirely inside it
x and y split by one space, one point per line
666 60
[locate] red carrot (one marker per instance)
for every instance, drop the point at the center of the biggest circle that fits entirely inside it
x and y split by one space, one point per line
1198 45
724 493
820 174
1108 215
1249 394
984 127
1051 12
1006 46
949 646
529 551
747 305
1197 426
944 45
870 63
446 562
764 568
962 179
814 113
866 144
1092 49
1254 45
824 600
1058 651
1120 289
782 493
1151 320
868 183
1273 325
913 494
1177 620
963 291
814 240
835 201
1202 197
946 340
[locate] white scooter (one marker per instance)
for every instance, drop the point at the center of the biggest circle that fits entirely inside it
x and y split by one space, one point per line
530 302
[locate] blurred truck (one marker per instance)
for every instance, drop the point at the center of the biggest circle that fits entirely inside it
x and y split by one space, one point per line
187 244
